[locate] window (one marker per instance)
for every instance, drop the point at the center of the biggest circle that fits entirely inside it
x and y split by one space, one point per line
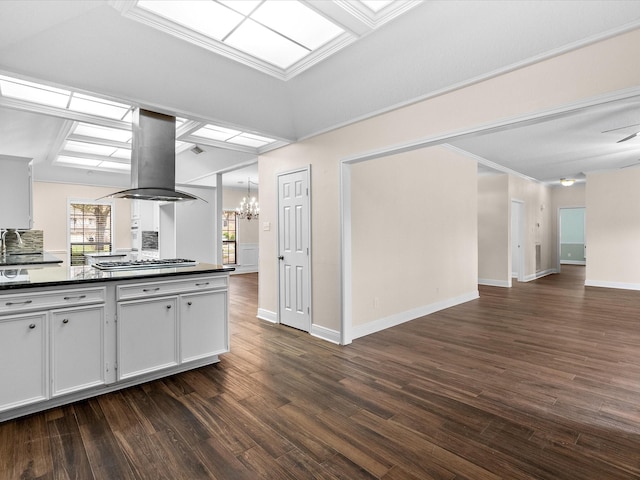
90 228
229 237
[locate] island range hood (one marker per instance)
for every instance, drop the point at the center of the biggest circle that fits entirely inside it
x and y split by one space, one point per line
153 159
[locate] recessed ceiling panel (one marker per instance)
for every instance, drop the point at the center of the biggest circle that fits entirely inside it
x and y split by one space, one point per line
297 22
33 92
207 17
265 44
279 37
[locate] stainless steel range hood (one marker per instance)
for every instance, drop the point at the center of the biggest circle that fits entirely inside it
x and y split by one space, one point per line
153 159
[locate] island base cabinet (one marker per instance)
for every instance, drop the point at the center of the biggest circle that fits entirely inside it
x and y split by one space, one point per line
147 336
203 325
77 349
23 356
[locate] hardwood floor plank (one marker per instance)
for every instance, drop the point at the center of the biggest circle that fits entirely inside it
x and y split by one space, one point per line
68 454
539 381
106 458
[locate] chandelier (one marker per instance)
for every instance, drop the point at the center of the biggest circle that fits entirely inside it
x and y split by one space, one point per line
248 207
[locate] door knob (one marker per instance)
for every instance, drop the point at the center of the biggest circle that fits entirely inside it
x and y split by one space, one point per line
281 257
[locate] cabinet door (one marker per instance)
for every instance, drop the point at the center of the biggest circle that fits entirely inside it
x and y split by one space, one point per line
203 325
77 349
147 336
23 357
15 192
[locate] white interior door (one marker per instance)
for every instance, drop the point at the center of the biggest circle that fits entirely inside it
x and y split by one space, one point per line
517 237
294 250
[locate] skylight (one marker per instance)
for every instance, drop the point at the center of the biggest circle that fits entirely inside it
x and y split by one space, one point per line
92 145
277 32
278 37
56 97
102 133
228 135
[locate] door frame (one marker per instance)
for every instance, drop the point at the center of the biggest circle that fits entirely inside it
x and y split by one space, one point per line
520 213
309 278
559 239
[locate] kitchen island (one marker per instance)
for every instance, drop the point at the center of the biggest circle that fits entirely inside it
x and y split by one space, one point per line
69 333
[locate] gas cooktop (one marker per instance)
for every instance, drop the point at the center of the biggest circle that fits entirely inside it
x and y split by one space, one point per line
153 263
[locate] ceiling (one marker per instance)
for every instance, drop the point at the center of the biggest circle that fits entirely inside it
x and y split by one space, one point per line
92 47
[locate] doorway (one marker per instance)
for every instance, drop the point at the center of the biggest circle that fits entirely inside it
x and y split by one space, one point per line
294 249
572 236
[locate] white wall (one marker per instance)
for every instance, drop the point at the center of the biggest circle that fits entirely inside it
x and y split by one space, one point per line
613 228
50 202
410 253
493 230
196 226
537 225
578 75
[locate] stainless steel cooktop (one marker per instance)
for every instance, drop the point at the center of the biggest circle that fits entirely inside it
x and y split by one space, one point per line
152 263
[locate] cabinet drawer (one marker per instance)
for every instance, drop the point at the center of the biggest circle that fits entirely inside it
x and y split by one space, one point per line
22 302
171 287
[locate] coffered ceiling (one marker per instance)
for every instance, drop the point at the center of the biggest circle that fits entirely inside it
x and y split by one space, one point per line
100 49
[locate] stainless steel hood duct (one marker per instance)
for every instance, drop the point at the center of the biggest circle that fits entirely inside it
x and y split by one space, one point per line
153 159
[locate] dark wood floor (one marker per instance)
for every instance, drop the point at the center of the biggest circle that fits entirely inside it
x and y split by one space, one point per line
538 381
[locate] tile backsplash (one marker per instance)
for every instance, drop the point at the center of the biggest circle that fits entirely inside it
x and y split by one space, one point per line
32 242
149 240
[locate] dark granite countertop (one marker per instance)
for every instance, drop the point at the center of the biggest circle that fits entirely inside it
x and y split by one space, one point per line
17 259
56 275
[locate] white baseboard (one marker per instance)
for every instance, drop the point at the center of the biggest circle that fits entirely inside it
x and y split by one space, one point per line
402 317
325 333
240 269
267 315
619 285
540 274
573 262
494 283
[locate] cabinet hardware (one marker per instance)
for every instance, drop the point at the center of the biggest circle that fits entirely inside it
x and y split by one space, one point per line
189 303
168 307
66 320
281 257
26 302
151 289
79 297
32 326
202 284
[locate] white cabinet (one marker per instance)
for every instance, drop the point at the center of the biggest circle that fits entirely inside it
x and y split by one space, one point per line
58 345
49 348
147 336
23 357
77 349
162 324
15 192
203 325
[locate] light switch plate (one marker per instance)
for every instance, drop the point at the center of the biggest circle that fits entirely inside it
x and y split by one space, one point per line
266 226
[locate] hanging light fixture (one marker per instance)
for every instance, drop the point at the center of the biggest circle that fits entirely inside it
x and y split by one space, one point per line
249 206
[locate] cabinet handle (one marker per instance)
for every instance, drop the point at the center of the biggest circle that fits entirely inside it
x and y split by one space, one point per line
202 284
26 302
32 326
66 320
189 303
79 297
151 289
168 307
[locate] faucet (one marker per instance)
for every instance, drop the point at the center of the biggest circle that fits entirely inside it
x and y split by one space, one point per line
4 242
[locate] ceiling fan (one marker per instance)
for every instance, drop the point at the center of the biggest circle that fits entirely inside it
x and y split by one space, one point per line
628 137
